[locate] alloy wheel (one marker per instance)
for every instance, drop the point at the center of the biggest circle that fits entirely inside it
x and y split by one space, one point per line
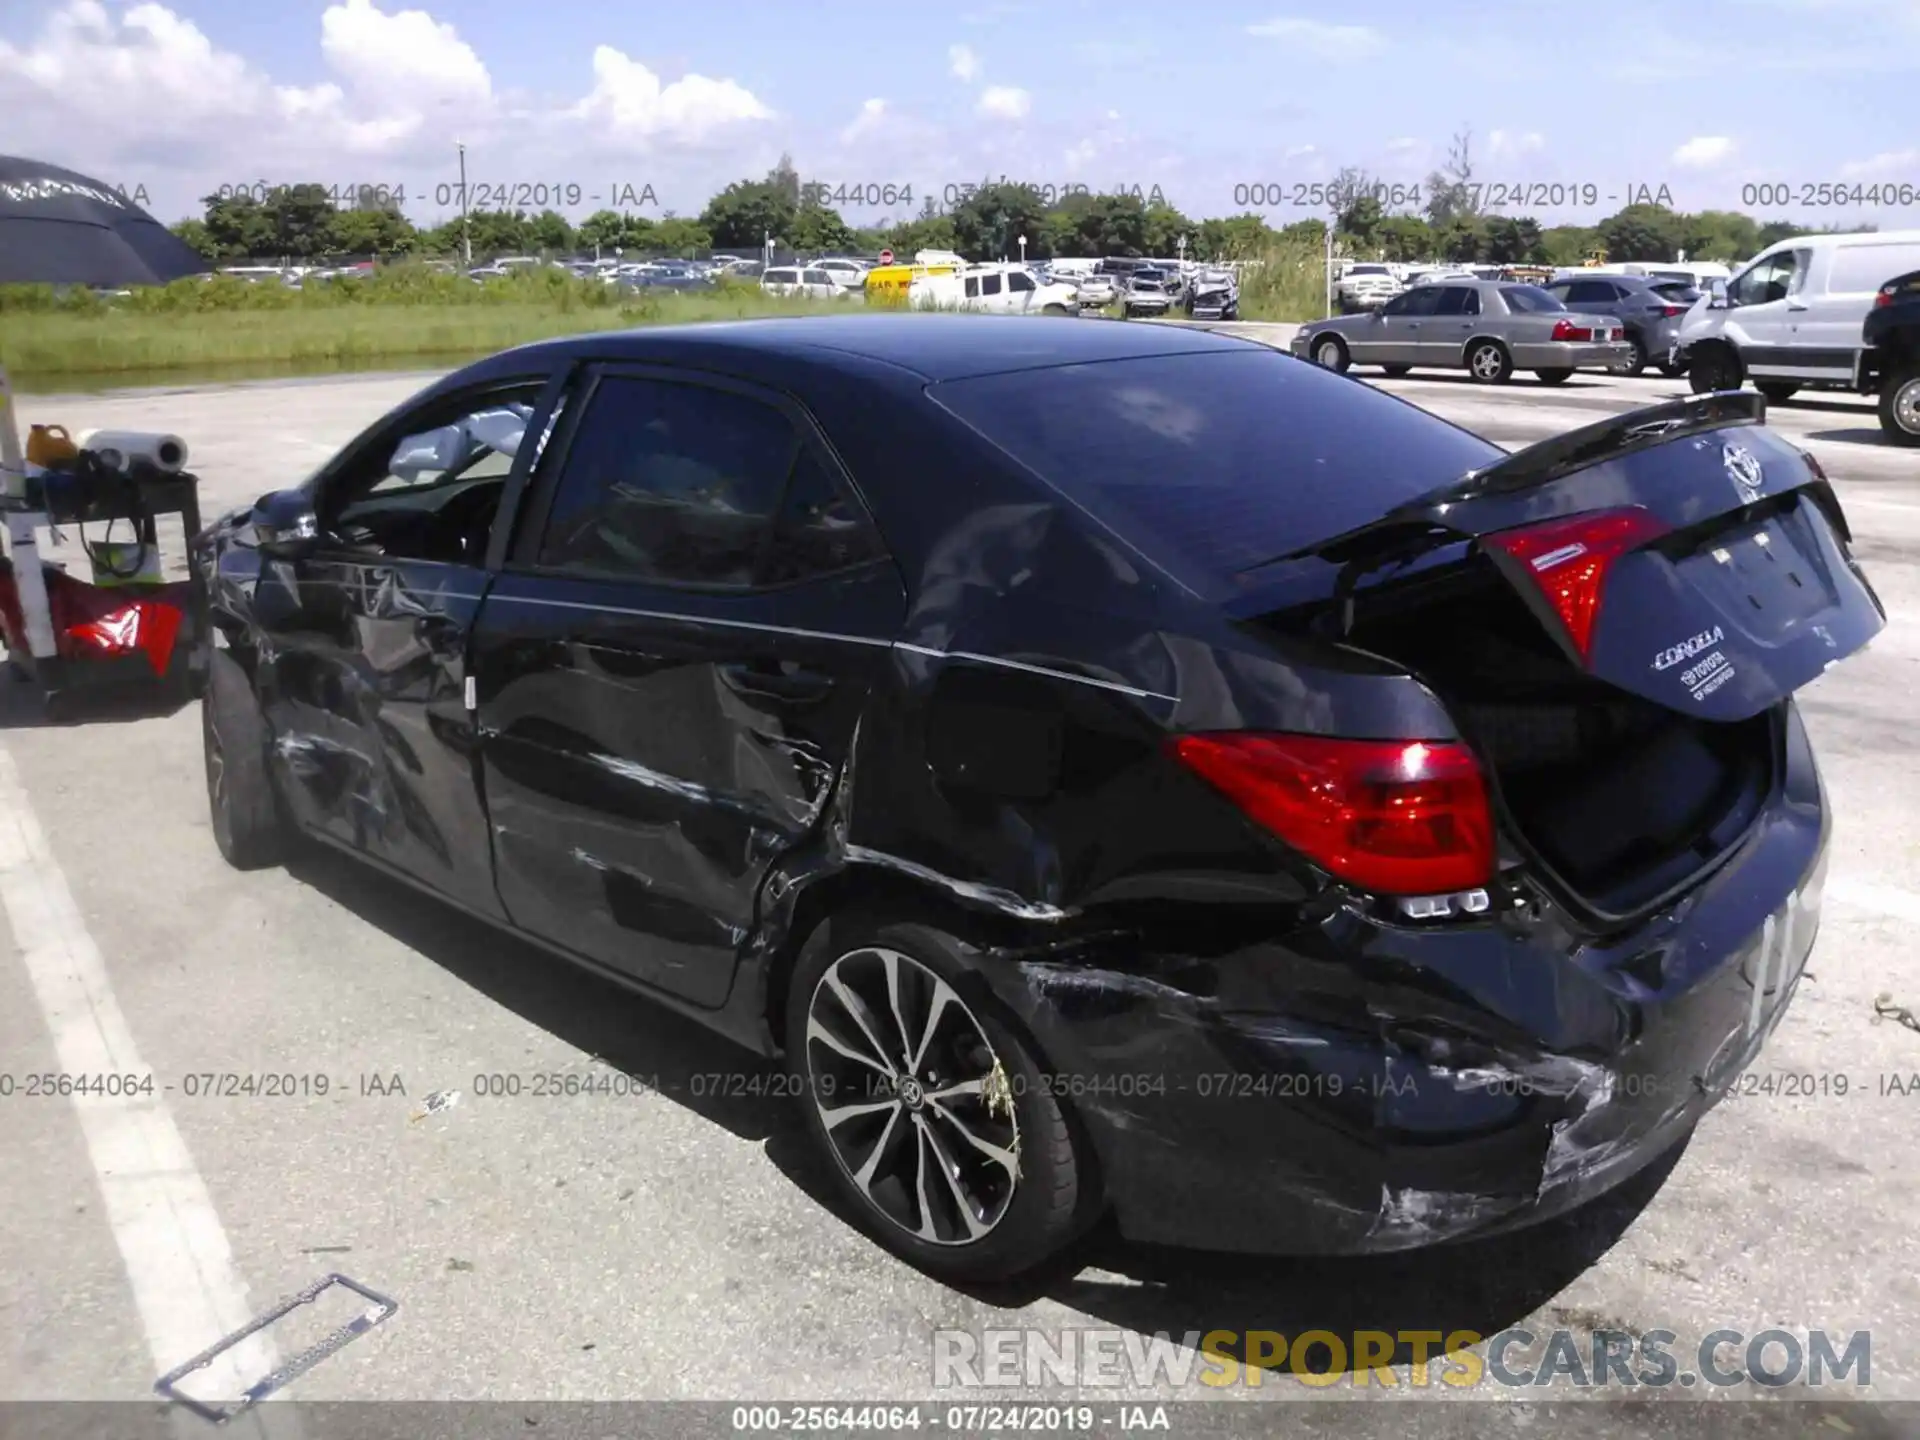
1488 363
914 1101
1906 406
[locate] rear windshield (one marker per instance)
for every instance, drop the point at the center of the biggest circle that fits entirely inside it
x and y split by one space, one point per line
1212 464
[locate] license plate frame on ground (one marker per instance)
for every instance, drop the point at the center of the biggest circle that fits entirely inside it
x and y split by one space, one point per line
380 1308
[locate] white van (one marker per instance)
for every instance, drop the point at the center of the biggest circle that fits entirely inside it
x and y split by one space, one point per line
1791 316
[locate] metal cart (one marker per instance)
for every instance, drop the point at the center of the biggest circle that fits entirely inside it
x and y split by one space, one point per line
71 636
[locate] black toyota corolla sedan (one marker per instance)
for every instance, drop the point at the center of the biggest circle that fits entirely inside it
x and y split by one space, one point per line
1122 770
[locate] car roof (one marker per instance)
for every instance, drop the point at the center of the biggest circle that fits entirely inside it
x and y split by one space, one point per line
934 347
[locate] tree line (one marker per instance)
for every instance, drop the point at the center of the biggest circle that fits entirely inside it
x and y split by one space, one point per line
304 221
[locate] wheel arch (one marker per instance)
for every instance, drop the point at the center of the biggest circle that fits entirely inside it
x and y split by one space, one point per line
882 896
802 900
1484 339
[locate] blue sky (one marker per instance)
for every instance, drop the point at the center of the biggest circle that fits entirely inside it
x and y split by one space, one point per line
1705 100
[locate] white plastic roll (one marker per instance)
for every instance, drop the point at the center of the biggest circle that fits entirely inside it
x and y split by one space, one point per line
121 448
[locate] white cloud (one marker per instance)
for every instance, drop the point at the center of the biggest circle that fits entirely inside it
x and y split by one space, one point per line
629 99
142 97
871 120
1316 37
1005 102
963 62
1405 145
407 53
1703 151
1505 144
1300 152
151 75
1894 165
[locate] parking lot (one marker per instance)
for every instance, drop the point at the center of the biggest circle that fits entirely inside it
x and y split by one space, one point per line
672 1241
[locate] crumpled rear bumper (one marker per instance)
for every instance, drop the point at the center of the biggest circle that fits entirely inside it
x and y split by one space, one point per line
1361 1086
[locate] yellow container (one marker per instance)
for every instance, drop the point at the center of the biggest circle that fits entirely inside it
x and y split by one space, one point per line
49 445
889 284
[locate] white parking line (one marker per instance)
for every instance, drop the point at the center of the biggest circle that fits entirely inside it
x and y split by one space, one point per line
175 1250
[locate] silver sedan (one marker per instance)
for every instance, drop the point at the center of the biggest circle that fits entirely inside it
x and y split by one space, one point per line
1489 328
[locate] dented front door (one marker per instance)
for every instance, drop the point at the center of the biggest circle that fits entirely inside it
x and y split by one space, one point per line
366 699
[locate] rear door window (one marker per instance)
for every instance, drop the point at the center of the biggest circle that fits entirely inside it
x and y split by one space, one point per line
821 530
1531 300
668 483
1214 463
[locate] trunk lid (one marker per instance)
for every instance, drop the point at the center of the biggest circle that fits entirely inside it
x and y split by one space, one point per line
1683 553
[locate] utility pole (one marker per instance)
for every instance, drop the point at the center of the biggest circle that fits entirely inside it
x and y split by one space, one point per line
1329 304
466 224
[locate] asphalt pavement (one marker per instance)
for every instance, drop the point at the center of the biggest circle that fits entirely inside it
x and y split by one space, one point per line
671 1240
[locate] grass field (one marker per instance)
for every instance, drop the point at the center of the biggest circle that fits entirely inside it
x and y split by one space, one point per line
117 340
407 315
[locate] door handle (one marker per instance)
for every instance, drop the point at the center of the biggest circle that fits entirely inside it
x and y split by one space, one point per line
775 680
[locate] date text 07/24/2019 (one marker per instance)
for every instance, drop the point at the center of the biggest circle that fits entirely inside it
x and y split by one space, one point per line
623 195
1490 196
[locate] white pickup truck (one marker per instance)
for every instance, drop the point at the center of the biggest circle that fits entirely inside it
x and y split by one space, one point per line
998 289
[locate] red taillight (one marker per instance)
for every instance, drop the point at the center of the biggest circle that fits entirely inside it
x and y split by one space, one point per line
1567 330
1395 817
1569 560
1669 311
1885 297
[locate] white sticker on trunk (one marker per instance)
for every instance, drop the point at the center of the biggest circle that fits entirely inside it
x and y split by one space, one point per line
1706 676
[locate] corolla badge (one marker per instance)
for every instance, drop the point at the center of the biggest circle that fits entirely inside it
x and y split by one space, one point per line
1743 468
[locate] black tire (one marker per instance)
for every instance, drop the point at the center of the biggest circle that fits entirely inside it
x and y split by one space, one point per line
1714 367
1053 309
1559 375
1050 1199
1671 370
1489 362
1900 405
248 825
1394 372
1636 365
1778 391
1330 352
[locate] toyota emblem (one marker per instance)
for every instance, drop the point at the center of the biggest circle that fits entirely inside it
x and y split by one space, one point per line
1743 468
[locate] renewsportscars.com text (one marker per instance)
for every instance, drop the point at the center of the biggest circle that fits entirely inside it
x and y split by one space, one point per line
1462 1359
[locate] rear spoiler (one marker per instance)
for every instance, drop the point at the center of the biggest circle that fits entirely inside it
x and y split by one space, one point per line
1422 521
1605 440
